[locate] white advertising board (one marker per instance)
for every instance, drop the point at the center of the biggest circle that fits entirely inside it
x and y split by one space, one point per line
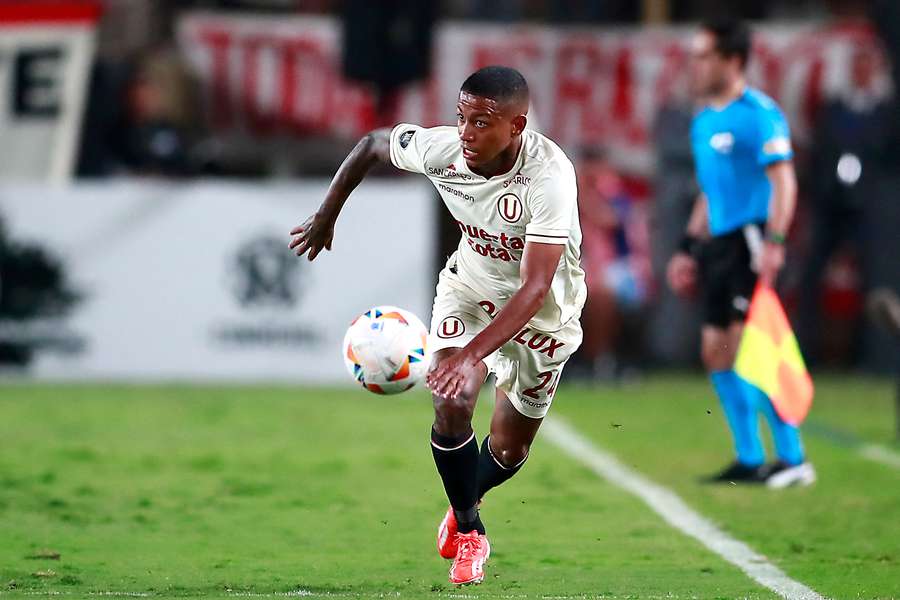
168 281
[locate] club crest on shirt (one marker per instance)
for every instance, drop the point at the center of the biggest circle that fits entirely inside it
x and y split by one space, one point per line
451 327
509 207
722 142
405 137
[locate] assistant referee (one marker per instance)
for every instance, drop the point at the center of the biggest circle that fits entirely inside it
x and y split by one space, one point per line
735 236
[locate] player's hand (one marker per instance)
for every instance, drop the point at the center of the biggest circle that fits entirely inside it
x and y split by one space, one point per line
448 378
682 274
315 233
770 262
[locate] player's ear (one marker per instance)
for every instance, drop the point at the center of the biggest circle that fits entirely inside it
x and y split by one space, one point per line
518 124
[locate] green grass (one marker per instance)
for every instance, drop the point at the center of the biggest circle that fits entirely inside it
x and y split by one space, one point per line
227 492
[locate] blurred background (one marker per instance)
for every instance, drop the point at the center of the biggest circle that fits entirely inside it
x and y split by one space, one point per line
155 155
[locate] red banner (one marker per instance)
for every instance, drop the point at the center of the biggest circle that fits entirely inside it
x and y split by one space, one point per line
280 76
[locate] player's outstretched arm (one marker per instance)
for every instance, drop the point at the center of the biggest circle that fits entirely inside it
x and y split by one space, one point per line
539 263
317 231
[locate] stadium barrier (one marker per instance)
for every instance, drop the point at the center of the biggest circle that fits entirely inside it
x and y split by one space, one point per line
151 280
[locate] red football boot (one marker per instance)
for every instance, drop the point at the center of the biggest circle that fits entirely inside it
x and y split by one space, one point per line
447 544
468 566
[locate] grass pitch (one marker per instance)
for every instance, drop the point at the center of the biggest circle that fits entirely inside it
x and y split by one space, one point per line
248 491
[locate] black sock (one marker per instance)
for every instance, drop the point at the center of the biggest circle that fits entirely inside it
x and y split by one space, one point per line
490 472
456 459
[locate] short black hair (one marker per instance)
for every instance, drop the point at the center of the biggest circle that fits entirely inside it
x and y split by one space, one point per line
733 38
497 83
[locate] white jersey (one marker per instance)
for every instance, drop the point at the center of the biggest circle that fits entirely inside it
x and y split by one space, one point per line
536 201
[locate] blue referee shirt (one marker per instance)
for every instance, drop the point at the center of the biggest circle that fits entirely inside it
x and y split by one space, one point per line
732 148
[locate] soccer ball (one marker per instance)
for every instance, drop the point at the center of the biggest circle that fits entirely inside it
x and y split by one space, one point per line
386 350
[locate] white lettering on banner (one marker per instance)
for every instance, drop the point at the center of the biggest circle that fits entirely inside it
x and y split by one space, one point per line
269 75
243 307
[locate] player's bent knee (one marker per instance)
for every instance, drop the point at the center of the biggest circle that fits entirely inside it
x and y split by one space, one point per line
508 454
453 416
458 405
510 457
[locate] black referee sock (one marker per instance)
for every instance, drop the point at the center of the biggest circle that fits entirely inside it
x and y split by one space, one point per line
456 459
490 472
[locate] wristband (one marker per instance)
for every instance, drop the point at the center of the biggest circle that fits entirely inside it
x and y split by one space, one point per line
775 238
689 244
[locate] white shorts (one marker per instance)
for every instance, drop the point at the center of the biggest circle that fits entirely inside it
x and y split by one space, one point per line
527 368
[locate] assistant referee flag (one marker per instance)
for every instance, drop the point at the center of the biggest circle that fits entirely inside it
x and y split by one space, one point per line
769 357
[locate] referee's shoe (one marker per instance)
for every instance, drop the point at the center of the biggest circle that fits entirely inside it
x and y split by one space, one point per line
781 474
738 472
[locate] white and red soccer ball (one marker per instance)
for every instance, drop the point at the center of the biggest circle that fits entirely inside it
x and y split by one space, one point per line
386 350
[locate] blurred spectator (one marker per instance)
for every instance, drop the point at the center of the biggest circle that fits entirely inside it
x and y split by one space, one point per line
387 45
129 27
851 136
675 322
140 106
616 262
886 19
159 119
126 30
141 118
885 268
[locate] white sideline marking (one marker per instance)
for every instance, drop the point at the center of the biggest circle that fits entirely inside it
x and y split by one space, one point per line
301 592
879 453
674 511
360 595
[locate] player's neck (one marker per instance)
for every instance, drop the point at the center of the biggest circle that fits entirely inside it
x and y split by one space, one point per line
503 163
729 93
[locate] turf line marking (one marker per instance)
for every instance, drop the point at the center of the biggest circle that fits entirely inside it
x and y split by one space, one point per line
361 595
880 454
674 511
868 450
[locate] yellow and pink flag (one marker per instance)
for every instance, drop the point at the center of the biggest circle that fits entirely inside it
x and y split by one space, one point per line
769 357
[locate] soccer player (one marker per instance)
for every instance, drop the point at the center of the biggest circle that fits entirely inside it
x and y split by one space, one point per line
736 234
508 300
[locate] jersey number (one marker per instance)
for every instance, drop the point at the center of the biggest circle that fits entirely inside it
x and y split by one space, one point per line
546 377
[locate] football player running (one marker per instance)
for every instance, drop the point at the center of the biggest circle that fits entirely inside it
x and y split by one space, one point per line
508 300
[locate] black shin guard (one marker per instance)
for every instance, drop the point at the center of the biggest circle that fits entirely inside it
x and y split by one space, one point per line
457 463
490 472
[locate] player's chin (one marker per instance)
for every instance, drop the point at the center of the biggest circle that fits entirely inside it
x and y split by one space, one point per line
476 162
474 157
